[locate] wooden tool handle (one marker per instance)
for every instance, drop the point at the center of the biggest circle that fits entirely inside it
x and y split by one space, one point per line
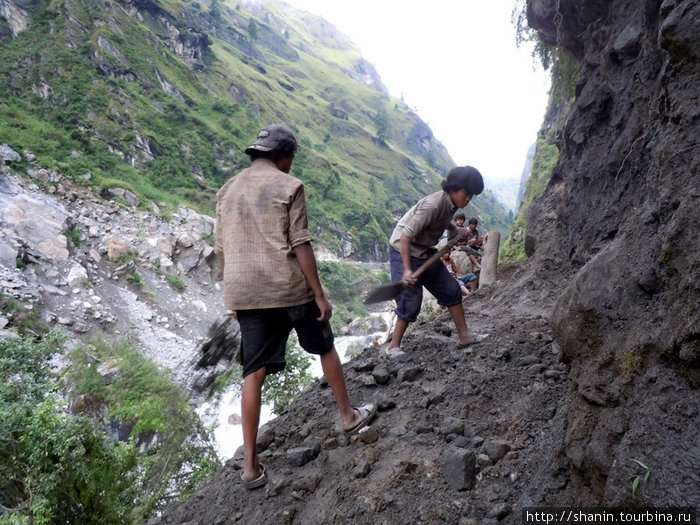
433 258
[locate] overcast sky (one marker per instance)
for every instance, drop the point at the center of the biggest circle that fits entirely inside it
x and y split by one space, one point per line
456 63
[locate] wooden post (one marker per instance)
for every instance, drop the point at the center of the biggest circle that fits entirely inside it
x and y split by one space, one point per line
489 261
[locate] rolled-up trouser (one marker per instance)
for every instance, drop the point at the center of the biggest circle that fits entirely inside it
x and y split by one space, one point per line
436 279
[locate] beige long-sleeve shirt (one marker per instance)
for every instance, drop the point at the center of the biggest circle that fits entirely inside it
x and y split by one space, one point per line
424 223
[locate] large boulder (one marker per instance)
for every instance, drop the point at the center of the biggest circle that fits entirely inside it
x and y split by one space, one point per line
39 224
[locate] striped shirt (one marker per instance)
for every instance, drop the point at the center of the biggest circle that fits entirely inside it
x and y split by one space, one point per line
424 223
260 219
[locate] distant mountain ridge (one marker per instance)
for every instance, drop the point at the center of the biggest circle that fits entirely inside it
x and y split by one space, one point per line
160 97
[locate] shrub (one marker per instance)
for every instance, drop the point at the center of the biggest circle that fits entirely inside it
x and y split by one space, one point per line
74 235
135 278
175 282
60 465
64 468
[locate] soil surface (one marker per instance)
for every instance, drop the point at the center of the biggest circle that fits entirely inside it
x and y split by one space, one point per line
462 436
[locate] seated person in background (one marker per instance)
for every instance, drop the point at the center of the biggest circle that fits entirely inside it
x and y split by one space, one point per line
460 219
468 280
473 242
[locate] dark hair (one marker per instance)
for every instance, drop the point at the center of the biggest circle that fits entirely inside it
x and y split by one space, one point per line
464 178
460 215
473 221
285 148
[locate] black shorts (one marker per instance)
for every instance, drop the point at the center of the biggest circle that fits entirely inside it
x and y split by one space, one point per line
264 335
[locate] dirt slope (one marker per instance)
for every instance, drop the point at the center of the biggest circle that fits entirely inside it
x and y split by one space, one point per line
504 400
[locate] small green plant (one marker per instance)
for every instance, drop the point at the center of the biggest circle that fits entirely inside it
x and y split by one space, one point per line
125 258
640 478
23 316
74 235
175 282
135 278
209 238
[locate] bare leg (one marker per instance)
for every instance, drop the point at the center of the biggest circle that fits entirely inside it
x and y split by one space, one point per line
250 411
333 370
464 336
474 261
472 286
397 336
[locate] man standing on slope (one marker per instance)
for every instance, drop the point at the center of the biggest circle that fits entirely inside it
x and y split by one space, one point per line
412 243
271 283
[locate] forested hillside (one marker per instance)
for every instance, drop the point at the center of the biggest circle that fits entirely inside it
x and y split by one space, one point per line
160 97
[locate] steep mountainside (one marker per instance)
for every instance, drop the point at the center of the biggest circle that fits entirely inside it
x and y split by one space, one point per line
161 96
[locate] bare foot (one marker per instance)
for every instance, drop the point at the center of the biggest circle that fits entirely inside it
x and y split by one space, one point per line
356 419
246 476
471 339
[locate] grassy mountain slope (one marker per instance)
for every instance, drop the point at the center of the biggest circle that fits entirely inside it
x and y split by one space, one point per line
161 97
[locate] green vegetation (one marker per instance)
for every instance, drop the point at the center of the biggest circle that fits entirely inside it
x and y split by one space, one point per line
22 316
63 466
280 389
135 278
561 96
74 235
210 239
125 258
640 478
175 282
546 157
142 399
345 282
128 112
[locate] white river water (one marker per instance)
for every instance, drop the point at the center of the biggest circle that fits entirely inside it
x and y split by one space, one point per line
224 417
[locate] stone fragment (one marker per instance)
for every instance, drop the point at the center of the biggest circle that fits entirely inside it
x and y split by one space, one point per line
496 449
628 42
77 275
8 154
408 373
452 425
116 248
362 469
499 511
300 456
162 244
265 436
482 460
459 468
123 194
368 435
366 380
381 375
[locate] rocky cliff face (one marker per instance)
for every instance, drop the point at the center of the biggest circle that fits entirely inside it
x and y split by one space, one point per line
91 266
620 220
